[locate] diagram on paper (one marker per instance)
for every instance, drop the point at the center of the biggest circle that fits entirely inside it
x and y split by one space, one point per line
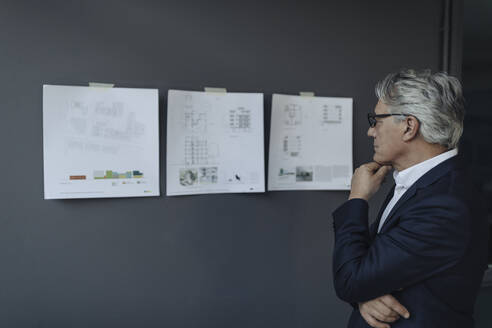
292 145
214 143
240 119
331 114
194 118
310 143
292 115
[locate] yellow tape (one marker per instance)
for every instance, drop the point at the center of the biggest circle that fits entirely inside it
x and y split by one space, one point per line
101 85
219 90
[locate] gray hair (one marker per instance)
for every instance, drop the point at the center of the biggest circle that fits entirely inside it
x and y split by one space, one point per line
436 100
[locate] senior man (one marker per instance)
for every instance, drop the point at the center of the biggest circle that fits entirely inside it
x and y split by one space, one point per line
421 262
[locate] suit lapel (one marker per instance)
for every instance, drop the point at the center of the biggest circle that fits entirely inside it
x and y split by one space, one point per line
406 196
427 179
375 224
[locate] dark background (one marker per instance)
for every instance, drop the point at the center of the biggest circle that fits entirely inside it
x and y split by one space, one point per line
227 260
476 142
477 86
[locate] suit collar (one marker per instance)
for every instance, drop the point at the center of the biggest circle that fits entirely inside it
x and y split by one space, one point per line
437 172
406 178
426 180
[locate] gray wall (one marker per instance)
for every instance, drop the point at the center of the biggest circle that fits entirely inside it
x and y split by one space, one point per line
197 261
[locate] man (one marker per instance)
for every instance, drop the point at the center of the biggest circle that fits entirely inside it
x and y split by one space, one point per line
421 263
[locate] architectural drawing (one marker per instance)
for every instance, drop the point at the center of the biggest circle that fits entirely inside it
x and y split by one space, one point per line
310 143
214 143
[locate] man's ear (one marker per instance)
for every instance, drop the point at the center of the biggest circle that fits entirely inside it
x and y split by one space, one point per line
411 127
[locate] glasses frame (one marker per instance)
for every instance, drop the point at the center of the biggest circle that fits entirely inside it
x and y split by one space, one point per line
371 117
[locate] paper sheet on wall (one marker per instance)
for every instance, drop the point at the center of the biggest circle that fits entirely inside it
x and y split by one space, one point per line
214 143
310 143
100 142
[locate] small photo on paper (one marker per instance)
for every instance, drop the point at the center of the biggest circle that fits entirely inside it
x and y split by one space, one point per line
188 177
208 175
304 173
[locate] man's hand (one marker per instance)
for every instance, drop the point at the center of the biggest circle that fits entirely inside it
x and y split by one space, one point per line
367 179
379 311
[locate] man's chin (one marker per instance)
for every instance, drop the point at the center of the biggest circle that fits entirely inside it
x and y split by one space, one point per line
380 160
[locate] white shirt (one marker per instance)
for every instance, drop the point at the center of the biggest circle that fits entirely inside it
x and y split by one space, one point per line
406 178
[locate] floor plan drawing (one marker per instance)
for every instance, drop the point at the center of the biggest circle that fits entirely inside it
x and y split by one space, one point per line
310 143
293 114
218 147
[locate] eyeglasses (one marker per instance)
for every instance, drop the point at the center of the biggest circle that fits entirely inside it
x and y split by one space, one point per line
371 117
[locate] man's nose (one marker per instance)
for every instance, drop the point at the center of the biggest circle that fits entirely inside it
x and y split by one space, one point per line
370 132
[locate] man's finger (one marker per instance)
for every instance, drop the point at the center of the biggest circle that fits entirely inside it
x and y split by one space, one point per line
392 317
393 303
383 170
373 322
382 312
373 166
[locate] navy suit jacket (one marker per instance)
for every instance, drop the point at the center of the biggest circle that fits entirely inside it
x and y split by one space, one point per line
430 254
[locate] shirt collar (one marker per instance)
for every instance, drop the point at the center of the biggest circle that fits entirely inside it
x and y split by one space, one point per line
408 176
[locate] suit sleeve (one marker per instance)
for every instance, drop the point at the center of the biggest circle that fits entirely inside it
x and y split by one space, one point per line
429 238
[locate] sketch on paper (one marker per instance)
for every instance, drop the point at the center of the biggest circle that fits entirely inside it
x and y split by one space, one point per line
310 143
214 143
292 115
